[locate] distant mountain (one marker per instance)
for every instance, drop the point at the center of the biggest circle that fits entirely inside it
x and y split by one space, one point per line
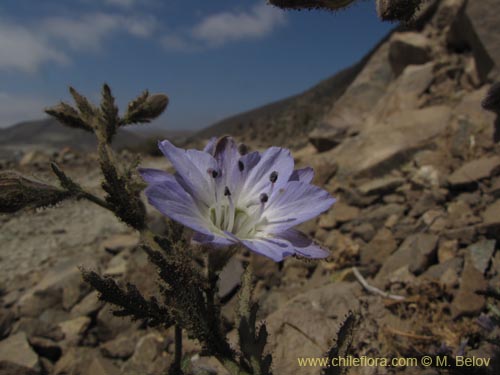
49 134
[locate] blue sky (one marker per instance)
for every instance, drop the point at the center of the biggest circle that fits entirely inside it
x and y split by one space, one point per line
214 58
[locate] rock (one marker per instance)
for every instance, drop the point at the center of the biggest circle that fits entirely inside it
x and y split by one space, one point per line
326 136
230 277
381 185
36 327
447 250
377 215
366 231
447 273
318 313
409 48
390 142
417 252
74 329
427 176
63 285
379 248
89 305
9 368
75 361
467 302
17 350
102 366
342 213
491 217
46 348
474 171
119 242
110 326
121 347
7 318
117 265
149 356
481 254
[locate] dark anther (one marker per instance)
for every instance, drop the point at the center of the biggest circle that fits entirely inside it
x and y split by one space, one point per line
215 173
273 177
241 166
226 191
264 198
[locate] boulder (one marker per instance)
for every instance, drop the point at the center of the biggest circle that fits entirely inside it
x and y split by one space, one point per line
16 349
408 48
474 171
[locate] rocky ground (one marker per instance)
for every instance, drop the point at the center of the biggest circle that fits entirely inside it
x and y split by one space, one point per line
412 159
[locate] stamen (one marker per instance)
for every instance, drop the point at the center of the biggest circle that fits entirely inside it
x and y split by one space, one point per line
215 174
241 166
227 192
273 177
263 198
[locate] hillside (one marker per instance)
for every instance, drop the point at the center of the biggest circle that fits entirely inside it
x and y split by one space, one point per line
288 121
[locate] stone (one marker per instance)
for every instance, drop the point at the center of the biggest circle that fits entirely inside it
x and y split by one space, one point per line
343 213
230 277
89 305
378 215
16 349
119 242
102 366
447 250
417 253
381 185
109 326
7 318
74 329
379 249
447 273
149 356
117 265
121 347
318 314
474 171
62 284
366 231
427 176
46 348
326 136
75 361
36 327
467 301
491 217
388 143
481 254
409 48
9 368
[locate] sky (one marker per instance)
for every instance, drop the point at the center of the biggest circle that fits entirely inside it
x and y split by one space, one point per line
212 58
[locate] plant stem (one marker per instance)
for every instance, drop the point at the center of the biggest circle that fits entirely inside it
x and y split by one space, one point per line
178 348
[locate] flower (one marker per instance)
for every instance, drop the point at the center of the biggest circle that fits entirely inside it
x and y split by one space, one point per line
228 198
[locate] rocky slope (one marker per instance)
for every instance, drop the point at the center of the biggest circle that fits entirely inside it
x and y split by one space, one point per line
410 155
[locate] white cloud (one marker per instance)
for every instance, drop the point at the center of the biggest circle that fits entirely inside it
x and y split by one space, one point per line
15 108
225 27
25 50
51 39
221 28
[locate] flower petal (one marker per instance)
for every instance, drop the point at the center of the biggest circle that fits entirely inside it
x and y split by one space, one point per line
212 239
192 166
303 175
272 248
303 245
295 203
209 147
173 201
274 159
155 176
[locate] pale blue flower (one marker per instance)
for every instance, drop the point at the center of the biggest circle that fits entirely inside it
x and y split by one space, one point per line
228 198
